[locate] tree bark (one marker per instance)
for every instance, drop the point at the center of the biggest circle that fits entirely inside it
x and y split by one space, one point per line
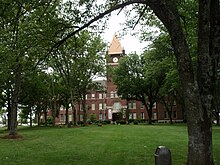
84 111
30 112
45 116
14 104
73 109
149 112
9 108
215 53
74 114
67 111
197 102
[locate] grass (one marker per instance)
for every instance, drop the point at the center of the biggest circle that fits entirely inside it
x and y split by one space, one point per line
109 145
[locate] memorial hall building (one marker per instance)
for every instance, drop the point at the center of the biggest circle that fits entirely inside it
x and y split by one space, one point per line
105 105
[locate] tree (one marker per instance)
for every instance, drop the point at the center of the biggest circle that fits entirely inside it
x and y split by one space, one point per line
137 79
34 93
78 62
27 30
163 57
198 86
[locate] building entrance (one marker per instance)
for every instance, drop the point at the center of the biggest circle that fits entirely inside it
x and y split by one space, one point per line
116 116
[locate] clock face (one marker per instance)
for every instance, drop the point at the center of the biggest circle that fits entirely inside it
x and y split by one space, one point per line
115 59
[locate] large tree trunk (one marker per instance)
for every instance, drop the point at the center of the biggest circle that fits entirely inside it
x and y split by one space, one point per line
38 118
30 113
54 113
215 53
149 112
9 109
170 113
45 117
14 104
67 111
74 113
73 109
196 96
84 111
199 130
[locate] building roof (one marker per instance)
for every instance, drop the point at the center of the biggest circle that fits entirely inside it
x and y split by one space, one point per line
115 47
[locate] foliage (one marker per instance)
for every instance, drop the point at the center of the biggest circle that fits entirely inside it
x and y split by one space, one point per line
27 31
92 118
140 78
78 62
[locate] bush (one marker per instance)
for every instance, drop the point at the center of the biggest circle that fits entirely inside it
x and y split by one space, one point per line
136 122
92 118
143 121
49 120
121 122
106 122
80 122
130 121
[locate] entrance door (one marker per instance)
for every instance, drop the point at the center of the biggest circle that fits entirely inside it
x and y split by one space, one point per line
116 116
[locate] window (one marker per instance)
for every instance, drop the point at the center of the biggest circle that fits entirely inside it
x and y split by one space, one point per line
104 116
130 116
62 117
93 106
166 115
142 115
100 106
104 95
132 105
116 95
155 116
112 94
104 106
155 105
134 116
70 118
81 107
86 97
81 117
100 95
100 116
93 96
142 105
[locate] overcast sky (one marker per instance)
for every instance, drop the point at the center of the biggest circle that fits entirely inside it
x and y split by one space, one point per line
129 42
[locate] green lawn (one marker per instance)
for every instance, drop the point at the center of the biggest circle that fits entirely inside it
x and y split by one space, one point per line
93 145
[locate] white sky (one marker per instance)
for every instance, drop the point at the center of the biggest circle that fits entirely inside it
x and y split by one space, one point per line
129 42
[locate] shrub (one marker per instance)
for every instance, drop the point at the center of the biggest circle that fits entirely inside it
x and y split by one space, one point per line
92 118
106 122
121 122
143 121
136 122
80 122
130 121
49 120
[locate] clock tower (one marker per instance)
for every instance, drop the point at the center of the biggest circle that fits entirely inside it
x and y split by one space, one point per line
114 103
115 51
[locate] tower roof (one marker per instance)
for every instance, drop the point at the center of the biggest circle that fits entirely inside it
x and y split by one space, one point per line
115 46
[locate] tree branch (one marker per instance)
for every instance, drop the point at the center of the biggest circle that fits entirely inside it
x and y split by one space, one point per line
119 6
140 16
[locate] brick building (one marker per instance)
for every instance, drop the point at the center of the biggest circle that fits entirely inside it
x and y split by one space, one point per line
107 105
